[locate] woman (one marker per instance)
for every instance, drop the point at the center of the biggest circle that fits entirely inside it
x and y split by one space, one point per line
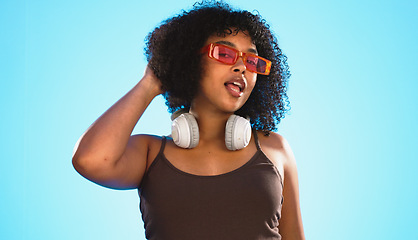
220 68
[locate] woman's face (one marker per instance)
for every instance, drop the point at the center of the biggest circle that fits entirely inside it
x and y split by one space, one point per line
225 87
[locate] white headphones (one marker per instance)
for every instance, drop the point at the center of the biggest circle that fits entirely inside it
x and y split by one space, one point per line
185 131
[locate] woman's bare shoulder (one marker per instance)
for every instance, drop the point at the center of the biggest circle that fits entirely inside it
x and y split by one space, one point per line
278 150
152 142
272 140
148 139
276 143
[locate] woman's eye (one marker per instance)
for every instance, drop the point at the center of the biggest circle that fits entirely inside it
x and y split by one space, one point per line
252 62
226 55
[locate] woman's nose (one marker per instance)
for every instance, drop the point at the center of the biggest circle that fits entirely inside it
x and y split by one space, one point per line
239 66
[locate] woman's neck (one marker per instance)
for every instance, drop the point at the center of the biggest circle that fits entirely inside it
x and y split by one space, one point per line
211 125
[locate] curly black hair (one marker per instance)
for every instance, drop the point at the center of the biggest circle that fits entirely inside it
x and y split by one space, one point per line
172 51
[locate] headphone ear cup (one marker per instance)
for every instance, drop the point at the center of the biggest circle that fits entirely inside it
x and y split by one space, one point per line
237 133
185 131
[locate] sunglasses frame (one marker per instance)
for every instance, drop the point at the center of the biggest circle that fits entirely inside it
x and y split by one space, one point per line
209 48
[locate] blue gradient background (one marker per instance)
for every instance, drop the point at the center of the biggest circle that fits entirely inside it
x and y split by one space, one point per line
352 126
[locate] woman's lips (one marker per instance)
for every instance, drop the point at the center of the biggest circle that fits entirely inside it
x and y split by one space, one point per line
233 89
235 86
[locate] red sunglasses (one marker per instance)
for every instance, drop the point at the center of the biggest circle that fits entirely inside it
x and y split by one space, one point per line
228 55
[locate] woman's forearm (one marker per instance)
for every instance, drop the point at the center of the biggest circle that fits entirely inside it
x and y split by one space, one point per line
105 140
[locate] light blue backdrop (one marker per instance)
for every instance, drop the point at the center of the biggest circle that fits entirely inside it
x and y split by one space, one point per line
352 125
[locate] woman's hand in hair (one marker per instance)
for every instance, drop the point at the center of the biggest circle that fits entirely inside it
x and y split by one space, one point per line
152 82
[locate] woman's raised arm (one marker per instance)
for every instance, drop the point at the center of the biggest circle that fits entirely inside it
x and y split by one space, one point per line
106 153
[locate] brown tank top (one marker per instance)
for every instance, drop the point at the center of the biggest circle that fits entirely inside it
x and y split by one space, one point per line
242 204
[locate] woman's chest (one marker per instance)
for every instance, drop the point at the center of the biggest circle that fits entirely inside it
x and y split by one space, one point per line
255 183
251 194
208 162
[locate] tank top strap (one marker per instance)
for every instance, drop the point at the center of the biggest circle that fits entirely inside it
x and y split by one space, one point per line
163 141
257 143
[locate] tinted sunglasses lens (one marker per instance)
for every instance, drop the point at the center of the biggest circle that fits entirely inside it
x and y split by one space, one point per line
256 64
224 54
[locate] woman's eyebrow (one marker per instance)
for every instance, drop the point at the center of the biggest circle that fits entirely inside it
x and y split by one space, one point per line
230 44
